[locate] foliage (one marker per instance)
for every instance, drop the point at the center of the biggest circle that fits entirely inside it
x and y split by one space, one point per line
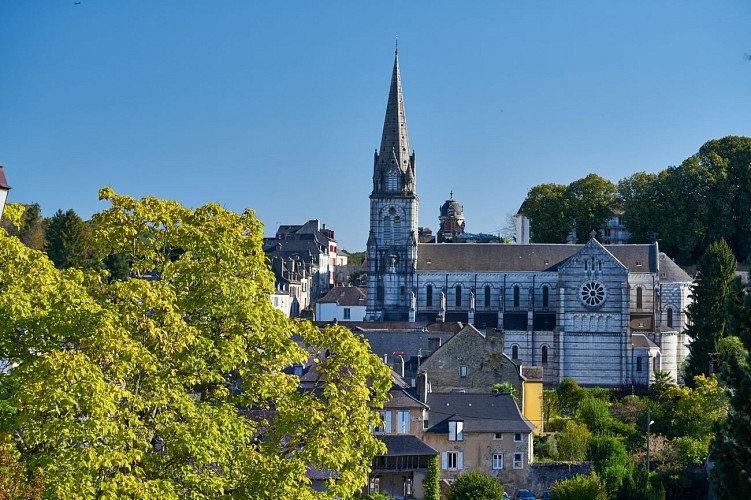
476 486
589 204
638 486
594 414
731 447
663 380
432 481
638 195
14 485
706 312
545 207
578 487
550 406
546 447
26 223
573 442
693 412
569 396
506 388
691 451
66 240
132 388
355 258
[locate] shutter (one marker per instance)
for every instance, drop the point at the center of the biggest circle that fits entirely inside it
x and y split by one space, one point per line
460 460
444 460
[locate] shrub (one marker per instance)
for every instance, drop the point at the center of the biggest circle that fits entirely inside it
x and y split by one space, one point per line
476 486
580 487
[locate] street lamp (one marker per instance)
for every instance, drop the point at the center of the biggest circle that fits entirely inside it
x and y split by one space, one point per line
649 424
4 188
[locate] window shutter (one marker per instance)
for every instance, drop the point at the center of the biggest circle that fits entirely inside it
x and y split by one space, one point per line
444 460
460 460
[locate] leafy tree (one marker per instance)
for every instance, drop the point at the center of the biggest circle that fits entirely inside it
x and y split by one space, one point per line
589 204
610 461
29 227
573 442
579 487
506 388
594 414
569 396
638 195
66 239
546 447
706 311
731 447
692 412
14 485
663 380
545 206
177 387
550 405
432 481
638 486
476 486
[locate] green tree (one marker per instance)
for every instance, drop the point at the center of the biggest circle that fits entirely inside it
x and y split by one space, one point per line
66 240
29 227
706 312
506 388
569 396
579 487
476 486
573 442
638 486
638 195
545 207
178 387
594 414
550 405
610 461
589 204
731 447
14 485
432 481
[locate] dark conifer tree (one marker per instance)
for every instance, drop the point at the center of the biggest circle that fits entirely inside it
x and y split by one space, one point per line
66 240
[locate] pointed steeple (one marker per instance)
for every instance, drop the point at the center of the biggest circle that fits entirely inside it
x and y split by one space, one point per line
394 156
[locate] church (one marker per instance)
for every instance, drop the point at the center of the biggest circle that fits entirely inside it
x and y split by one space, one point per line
606 315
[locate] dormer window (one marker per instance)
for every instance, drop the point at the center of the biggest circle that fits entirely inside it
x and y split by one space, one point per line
456 431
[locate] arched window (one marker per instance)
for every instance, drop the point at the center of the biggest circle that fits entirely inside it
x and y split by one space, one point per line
544 354
639 298
545 296
638 364
429 296
458 297
514 352
669 314
487 295
516 296
387 230
391 180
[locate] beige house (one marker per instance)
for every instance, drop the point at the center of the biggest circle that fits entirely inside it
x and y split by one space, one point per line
481 433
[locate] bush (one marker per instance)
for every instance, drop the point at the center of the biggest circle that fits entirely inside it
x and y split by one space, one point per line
432 481
546 448
580 487
556 424
573 442
594 414
691 451
476 486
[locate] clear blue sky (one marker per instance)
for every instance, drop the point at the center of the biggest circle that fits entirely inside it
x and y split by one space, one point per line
278 106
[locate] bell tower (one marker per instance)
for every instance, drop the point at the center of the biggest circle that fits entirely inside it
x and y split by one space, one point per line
392 241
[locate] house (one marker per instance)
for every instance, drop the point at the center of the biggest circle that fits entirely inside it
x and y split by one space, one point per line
483 433
341 304
399 473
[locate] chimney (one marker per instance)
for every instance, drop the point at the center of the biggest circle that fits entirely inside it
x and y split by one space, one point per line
422 386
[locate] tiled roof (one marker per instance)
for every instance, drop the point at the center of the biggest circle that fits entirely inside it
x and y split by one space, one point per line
498 257
345 296
640 340
404 444
480 412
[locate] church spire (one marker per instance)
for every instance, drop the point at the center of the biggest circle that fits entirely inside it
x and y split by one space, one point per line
394 156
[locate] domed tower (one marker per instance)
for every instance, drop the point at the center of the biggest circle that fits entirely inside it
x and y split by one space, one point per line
392 242
451 221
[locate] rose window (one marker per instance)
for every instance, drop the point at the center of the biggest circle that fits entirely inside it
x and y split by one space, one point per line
592 293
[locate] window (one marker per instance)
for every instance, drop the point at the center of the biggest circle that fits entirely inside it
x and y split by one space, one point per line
544 354
386 427
487 295
638 298
429 296
638 364
517 437
462 371
452 460
304 286
669 314
518 461
347 313
497 461
498 436
514 352
545 297
516 296
402 421
391 180
458 293
456 431
379 293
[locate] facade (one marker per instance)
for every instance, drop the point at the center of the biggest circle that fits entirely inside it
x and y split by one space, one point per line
480 433
572 309
341 304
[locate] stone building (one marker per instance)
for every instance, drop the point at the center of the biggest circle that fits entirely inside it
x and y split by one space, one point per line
572 309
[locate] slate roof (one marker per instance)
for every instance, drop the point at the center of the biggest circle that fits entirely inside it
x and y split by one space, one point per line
498 257
640 340
345 296
404 444
410 343
480 412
